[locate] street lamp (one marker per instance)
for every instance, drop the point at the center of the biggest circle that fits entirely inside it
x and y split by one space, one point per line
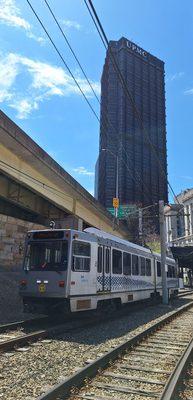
117 178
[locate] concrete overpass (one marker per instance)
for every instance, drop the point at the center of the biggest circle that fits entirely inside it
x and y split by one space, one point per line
36 188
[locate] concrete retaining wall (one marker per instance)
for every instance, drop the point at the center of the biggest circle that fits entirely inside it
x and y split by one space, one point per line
12 238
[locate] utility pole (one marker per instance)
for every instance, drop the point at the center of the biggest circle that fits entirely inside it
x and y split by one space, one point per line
163 252
117 185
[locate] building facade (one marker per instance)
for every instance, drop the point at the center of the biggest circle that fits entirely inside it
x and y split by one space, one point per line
179 219
96 179
141 179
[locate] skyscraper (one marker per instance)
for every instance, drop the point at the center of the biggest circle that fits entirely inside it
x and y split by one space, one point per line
142 179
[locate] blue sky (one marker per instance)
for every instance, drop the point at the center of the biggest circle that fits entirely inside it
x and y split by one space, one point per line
38 94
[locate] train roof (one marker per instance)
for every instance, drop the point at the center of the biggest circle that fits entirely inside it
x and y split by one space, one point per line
105 235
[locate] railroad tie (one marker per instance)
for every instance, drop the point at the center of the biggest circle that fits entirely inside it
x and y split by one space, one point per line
130 378
124 389
140 368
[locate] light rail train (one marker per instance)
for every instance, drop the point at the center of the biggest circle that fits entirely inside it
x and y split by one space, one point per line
72 271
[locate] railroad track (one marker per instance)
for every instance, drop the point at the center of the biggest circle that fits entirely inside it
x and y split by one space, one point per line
141 368
180 383
22 324
15 339
22 333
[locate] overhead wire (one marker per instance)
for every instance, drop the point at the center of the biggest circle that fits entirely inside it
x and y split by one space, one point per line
71 49
123 83
72 75
64 62
108 122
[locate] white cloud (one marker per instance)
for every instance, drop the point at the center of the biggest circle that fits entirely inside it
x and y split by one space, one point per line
83 171
24 107
10 15
189 91
42 81
8 73
175 76
71 24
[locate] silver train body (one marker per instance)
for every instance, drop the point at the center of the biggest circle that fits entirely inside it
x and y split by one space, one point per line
69 270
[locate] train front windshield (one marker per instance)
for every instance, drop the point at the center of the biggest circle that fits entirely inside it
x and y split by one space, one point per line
46 256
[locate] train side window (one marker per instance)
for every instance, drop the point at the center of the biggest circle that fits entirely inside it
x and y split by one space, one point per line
135 265
158 268
107 265
81 256
117 262
142 266
148 267
126 264
170 271
100 259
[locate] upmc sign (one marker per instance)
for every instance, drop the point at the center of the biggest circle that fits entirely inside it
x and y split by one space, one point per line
137 49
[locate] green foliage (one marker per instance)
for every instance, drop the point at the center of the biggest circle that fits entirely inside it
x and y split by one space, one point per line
154 246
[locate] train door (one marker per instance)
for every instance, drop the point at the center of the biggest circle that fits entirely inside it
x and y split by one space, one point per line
106 269
103 269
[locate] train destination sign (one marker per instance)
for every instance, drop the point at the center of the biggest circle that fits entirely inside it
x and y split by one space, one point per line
48 235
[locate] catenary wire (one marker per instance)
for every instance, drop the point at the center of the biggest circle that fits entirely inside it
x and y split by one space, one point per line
123 83
62 58
71 49
88 81
64 62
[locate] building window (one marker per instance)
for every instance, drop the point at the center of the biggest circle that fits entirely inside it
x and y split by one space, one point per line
81 256
117 262
126 264
135 265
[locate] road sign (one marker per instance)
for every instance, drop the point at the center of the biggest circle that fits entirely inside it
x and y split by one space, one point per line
115 202
124 210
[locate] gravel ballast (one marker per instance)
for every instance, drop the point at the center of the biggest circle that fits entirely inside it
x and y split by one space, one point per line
29 372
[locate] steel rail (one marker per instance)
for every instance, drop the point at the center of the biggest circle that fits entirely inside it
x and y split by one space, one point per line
27 338
169 392
64 389
31 337
22 324
185 293
27 322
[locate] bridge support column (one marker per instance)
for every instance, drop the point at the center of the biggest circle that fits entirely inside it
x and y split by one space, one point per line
70 222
